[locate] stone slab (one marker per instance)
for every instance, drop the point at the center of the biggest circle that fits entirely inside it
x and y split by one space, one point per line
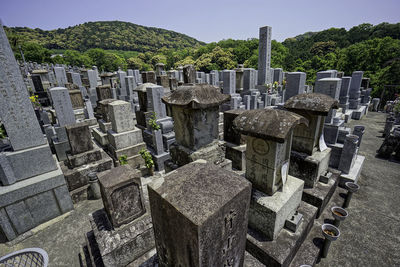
321 193
358 113
100 136
281 251
125 139
84 158
119 247
309 168
268 214
237 154
78 177
29 162
354 173
30 187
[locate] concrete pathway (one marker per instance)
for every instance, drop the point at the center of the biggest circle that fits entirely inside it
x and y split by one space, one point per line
370 235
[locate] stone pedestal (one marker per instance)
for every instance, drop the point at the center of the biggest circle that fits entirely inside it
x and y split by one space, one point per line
199 215
32 187
282 250
22 203
309 168
268 213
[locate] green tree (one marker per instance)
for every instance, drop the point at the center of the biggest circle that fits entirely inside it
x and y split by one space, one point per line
35 52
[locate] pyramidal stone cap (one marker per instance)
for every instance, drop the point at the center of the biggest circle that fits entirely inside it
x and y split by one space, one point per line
199 96
143 87
270 124
315 103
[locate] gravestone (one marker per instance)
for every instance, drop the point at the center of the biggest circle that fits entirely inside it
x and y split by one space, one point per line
295 82
329 86
195 110
192 202
61 76
123 137
122 232
309 159
63 105
121 191
264 55
22 202
269 136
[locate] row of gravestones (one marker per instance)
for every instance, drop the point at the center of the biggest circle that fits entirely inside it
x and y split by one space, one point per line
200 198
208 198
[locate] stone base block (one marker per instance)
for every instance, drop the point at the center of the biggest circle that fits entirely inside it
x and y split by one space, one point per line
159 160
237 154
78 177
119 247
212 153
130 151
31 202
343 131
268 214
335 155
168 140
100 136
309 168
320 195
125 139
347 116
104 126
281 251
354 173
358 113
61 149
19 165
136 162
87 157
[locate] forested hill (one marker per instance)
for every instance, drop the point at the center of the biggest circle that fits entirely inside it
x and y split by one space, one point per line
111 35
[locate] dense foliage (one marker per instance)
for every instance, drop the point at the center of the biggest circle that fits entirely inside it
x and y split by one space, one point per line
116 35
373 49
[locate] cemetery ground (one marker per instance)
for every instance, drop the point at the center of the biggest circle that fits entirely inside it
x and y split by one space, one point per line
369 235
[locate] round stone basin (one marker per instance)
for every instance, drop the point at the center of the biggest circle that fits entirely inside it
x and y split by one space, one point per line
352 187
339 213
330 231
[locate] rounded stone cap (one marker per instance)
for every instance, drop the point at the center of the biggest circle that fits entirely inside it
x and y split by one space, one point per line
315 103
197 96
142 87
270 124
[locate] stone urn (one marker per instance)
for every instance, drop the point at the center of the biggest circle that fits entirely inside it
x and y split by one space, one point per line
339 214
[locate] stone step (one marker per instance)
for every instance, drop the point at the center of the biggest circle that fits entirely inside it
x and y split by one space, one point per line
320 195
281 251
310 249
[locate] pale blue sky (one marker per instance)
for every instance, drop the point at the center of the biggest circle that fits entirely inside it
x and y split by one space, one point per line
207 20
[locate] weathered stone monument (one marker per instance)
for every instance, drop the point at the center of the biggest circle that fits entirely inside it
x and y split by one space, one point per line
150 103
295 82
276 195
264 56
235 143
122 231
309 159
124 138
195 110
83 158
30 178
199 214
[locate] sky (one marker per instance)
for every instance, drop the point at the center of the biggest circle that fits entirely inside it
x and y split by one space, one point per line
207 20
